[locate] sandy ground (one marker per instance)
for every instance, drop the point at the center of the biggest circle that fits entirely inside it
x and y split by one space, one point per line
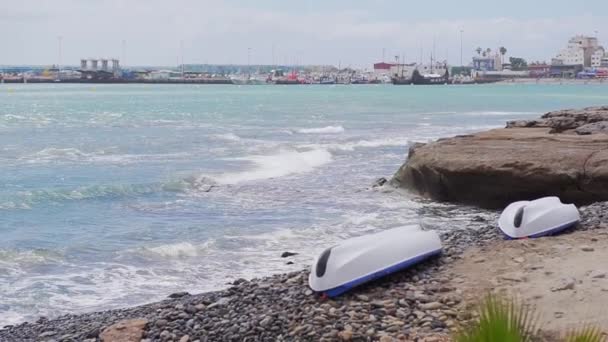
564 277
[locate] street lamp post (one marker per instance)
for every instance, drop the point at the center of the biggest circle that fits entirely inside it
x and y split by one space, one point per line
249 60
461 31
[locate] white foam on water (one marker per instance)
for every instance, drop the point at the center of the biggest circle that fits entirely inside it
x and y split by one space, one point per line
352 145
322 130
228 137
284 163
71 154
176 250
498 113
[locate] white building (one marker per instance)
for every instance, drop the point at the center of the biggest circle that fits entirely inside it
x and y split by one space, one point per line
581 50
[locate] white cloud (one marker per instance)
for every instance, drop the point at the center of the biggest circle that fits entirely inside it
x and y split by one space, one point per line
220 32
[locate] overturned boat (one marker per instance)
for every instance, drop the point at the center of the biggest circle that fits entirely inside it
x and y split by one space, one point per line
361 259
541 217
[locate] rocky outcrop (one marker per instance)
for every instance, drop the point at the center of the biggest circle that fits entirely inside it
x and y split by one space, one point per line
564 153
594 119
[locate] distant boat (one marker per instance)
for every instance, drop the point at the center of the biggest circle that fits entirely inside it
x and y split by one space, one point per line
327 80
278 77
430 79
248 80
401 80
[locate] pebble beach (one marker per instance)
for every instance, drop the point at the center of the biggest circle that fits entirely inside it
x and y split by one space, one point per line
424 303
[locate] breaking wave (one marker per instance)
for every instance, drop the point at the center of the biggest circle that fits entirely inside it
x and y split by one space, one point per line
229 137
322 130
284 163
178 250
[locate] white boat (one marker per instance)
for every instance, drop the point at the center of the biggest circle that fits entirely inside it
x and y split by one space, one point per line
541 217
365 258
248 80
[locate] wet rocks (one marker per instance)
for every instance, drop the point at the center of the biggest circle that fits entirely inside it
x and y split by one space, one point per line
178 295
379 182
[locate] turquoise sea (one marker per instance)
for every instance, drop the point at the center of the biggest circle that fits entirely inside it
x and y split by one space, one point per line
117 195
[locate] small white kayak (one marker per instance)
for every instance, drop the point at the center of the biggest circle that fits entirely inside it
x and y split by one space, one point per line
541 217
361 259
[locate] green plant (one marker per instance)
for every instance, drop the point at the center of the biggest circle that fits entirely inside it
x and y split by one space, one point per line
586 334
501 320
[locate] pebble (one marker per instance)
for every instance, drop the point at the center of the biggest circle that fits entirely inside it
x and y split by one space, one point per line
564 284
346 335
595 274
430 306
587 248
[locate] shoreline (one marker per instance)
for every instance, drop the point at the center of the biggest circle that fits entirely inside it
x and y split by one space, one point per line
422 301
512 81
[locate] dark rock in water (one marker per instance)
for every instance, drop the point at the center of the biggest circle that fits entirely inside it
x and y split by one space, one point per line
494 168
289 263
178 295
288 254
239 281
379 182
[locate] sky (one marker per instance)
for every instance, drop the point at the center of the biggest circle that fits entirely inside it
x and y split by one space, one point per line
337 32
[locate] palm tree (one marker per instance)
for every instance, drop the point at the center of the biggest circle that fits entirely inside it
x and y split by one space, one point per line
503 51
488 50
478 51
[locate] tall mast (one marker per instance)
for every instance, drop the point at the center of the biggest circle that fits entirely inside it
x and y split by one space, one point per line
59 38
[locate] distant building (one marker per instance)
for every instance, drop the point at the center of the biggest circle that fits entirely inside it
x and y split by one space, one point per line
539 70
382 69
565 71
581 50
487 63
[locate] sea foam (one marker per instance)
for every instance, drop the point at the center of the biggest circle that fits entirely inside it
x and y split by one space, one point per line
284 163
322 130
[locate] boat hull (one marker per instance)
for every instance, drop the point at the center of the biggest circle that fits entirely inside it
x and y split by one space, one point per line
362 259
541 217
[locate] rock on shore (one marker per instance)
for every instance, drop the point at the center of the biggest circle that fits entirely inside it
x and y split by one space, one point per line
564 153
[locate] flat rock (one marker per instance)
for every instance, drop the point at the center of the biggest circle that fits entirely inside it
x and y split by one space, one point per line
124 331
587 249
494 168
595 274
564 284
